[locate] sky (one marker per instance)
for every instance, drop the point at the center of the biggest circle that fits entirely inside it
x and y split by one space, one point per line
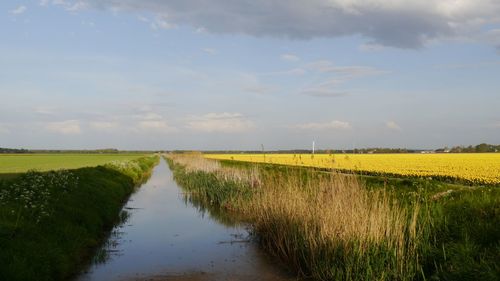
227 74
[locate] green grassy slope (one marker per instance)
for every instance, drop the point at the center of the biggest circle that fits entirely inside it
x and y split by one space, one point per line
50 222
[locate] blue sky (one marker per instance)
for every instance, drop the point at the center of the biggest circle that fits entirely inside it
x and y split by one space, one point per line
225 74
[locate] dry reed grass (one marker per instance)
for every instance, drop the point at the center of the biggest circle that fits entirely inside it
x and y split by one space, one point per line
194 162
336 220
327 227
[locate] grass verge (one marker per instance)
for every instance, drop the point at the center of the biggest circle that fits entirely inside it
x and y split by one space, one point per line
50 222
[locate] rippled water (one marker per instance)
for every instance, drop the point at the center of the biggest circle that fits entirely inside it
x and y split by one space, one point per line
167 237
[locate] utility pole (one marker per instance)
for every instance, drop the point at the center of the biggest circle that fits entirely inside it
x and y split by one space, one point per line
263 153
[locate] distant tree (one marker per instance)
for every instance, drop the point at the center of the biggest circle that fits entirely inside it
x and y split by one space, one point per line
483 147
13 150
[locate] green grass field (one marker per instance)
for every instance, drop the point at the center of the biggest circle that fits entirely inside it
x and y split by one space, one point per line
20 163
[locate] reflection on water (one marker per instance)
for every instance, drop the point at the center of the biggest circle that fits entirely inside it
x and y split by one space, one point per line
170 236
215 213
110 246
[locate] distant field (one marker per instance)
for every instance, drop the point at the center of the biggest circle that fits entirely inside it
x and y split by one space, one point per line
481 168
19 163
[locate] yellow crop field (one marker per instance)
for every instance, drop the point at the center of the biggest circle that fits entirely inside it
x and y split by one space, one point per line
482 168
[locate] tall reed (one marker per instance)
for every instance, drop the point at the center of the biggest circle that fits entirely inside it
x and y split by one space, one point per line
335 229
329 227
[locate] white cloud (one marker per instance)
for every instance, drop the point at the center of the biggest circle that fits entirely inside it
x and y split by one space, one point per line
332 125
338 76
152 122
331 82
149 116
251 83
392 125
258 89
289 57
294 71
492 36
209 51
77 6
371 47
68 5
88 23
103 125
68 127
45 110
351 71
397 23
4 129
495 125
156 125
323 93
479 64
201 30
19 10
142 18
220 122
161 22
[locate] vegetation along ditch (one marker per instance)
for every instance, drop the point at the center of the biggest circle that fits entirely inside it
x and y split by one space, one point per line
329 226
51 222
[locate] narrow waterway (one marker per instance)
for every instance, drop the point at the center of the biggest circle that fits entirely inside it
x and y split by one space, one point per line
167 237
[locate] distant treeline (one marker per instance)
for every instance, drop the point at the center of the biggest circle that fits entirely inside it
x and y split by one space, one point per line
480 148
76 151
318 151
484 147
11 150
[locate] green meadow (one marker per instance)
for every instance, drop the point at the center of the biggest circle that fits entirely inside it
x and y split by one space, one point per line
20 163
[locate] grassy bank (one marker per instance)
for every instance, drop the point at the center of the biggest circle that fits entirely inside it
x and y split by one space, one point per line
337 227
50 222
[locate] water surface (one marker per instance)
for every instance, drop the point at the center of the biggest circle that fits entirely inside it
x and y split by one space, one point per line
168 238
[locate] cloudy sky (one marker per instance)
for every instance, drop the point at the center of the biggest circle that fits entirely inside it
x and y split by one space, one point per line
228 74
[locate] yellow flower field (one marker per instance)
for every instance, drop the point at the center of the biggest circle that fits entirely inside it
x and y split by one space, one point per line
482 168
